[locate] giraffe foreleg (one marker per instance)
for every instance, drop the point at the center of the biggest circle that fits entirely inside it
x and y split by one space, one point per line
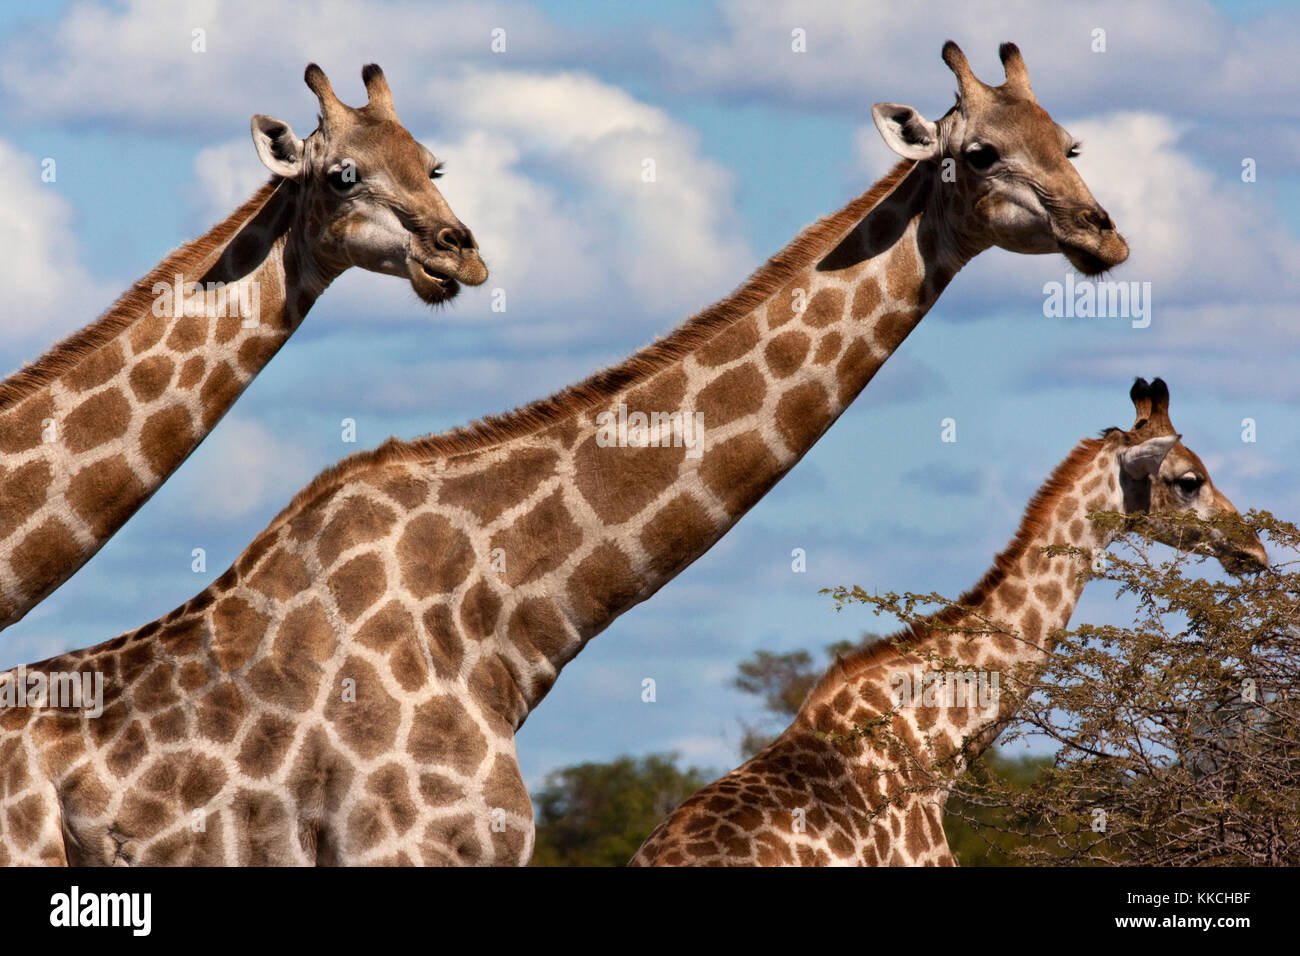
32 832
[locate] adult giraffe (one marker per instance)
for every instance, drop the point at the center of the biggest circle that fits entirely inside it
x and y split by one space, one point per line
350 689
94 427
819 795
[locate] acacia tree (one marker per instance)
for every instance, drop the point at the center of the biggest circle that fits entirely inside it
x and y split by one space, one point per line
1176 738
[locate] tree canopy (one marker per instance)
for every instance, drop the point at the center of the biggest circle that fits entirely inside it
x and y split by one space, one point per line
597 814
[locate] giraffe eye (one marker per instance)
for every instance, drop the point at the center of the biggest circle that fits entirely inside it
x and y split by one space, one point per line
1074 150
436 172
981 156
1188 484
344 177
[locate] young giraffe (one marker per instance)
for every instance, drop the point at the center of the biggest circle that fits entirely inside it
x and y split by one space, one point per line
441 584
92 429
807 800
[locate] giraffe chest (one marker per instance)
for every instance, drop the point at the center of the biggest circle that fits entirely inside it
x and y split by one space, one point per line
215 748
190 803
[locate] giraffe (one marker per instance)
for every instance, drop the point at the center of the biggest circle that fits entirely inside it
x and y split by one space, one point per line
93 428
821 795
349 690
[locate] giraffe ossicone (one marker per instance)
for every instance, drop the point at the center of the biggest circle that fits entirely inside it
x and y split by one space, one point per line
93 428
877 798
349 690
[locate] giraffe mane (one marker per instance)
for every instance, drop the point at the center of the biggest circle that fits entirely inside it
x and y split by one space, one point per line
1036 520
492 430
65 354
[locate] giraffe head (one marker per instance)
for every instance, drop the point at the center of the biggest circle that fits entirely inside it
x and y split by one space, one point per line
367 194
1160 476
1005 168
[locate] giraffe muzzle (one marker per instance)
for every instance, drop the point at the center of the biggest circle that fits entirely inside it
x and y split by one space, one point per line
1091 242
1243 556
1097 256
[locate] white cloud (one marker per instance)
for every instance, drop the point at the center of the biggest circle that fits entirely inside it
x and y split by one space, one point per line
1163 54
226 175
1236 353
241 468
537 139
48 292
255 54
716 753
554 113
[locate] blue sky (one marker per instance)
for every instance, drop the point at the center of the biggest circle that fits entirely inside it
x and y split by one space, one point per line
752 142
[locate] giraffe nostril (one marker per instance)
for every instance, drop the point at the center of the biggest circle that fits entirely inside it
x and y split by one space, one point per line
1099 219
454 239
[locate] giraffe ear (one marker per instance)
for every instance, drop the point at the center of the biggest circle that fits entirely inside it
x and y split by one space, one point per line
1143 460
906 131
280 151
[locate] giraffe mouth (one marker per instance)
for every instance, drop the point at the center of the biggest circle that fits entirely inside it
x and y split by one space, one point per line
1089 263
430 284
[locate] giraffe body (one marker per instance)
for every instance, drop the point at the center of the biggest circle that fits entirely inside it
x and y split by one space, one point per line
824 793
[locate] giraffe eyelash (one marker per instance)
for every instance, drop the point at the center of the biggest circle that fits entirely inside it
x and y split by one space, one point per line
437 171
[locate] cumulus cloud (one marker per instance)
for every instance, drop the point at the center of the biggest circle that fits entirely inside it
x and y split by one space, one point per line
251 50
1220 257
48 292
242 468
653 226
1162 55
225 176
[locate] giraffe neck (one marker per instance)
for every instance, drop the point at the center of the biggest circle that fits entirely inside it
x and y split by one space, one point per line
995 640
93 428
752 398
